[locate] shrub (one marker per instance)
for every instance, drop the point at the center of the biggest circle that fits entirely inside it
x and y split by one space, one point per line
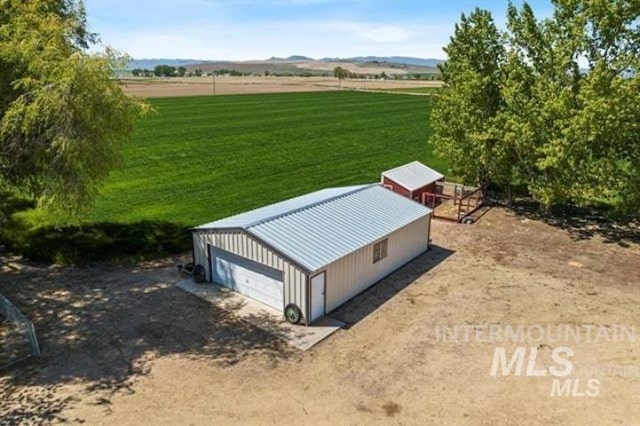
79 244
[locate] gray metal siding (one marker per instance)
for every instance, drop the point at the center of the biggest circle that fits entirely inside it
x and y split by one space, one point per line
241 244
356 272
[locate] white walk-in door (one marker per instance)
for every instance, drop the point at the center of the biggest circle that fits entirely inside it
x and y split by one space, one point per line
250 278
317 296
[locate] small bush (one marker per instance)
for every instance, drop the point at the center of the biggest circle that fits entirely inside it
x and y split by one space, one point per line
79 244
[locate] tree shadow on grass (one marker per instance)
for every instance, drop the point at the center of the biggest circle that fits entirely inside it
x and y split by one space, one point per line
101 326
88 242
371 299
582 223
80 244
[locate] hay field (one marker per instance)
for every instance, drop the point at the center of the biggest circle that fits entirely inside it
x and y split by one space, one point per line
227 85
198 159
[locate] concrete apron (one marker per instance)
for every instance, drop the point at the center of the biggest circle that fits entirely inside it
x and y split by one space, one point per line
262 316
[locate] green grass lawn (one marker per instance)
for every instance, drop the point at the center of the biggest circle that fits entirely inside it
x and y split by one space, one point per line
202 158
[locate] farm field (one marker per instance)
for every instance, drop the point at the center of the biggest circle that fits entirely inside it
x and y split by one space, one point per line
227 85
425 89
201 158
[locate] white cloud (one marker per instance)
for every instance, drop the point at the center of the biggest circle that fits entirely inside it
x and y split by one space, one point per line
258 29
260 40
161 45
378 33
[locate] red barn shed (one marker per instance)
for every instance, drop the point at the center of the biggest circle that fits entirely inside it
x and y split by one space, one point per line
412 180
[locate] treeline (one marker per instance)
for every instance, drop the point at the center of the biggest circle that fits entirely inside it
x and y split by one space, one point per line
343 73
171 71
160 71
552 105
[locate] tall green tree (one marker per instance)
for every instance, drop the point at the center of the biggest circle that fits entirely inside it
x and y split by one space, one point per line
554 106
465 114
62 118
341 74
575 129
164 71
608 117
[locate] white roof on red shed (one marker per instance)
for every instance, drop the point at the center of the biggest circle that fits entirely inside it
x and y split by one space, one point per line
413 175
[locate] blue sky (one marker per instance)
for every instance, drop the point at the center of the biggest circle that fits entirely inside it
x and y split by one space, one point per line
259 29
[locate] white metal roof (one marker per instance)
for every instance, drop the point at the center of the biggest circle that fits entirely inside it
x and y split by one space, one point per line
246 219
319 228
413 175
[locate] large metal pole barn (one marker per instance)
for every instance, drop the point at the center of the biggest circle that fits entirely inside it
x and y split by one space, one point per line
316 251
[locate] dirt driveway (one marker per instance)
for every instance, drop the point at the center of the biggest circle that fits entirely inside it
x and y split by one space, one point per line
123 346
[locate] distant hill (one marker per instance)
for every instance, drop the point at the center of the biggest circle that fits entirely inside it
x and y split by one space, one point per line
299 64
292 58
151 63
406 60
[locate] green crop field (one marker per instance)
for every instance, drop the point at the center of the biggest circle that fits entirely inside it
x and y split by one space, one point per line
429 90
202 158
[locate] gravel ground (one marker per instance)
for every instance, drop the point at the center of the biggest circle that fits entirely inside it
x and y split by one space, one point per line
121 345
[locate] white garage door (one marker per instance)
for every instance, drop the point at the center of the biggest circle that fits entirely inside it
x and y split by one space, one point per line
250 278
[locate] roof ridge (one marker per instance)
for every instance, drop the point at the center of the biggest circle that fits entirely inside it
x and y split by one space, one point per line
405 165
296 210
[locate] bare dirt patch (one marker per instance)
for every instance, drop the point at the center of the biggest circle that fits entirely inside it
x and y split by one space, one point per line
199 86
123 346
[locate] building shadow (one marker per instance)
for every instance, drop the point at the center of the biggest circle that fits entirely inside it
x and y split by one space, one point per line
354 310
252 311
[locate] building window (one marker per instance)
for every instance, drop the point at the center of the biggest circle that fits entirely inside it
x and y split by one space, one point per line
380 250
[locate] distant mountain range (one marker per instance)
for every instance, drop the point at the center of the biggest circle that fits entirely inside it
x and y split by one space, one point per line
151 63
420 62
406 60
292 58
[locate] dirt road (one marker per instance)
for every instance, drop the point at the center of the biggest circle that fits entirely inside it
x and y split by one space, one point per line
122 346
